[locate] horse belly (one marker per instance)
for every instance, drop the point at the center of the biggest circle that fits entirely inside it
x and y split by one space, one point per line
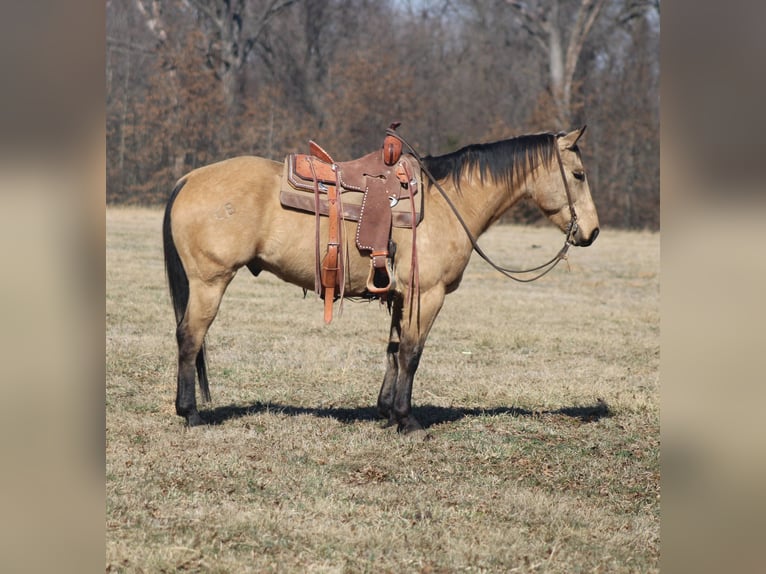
290 252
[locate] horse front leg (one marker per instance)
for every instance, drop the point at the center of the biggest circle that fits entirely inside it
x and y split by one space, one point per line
388 389
414 331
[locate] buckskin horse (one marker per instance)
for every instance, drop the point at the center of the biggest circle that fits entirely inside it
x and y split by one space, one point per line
228 215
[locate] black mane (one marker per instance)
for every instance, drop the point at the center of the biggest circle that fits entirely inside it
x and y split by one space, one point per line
507 161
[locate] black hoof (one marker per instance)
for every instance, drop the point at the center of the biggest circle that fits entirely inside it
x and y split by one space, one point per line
410 426
194 419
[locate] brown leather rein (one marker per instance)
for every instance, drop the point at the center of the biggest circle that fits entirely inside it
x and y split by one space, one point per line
546 267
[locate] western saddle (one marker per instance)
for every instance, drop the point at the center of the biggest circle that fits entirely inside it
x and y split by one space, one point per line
378 190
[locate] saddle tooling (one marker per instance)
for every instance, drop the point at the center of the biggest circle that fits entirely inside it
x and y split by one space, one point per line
379 191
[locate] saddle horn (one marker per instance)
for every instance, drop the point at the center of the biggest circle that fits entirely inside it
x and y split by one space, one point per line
392 146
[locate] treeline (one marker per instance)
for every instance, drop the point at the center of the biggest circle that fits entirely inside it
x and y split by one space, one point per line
190 82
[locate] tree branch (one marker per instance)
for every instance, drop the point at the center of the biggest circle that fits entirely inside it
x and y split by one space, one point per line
535 25
153 18
205 9
274 8
586 16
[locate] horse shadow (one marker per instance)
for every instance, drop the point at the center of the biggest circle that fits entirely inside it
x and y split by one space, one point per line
427 415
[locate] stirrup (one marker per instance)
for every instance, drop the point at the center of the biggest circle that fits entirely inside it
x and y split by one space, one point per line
379 278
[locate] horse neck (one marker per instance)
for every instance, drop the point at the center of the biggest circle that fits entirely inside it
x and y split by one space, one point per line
481 204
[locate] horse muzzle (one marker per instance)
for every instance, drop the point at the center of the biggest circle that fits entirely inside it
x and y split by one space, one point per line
580 239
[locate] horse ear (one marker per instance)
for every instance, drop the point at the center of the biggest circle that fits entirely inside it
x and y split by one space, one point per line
569 140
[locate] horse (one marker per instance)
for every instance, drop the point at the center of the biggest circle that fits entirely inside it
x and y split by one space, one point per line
227 215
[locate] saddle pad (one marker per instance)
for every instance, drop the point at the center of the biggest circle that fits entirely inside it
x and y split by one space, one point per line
298 193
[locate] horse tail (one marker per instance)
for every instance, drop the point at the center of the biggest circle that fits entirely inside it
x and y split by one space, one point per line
178 285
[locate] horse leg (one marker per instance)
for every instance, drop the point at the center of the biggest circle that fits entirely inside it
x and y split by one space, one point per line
204 300
388 389
414 331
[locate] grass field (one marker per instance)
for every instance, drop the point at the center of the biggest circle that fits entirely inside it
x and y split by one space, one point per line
542 402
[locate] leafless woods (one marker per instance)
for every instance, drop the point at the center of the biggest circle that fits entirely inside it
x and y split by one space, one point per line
194 81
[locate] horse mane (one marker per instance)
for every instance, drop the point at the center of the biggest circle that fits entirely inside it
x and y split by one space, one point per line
507 161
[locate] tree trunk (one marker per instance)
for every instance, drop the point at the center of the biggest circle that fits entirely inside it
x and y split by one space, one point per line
560 88
546 26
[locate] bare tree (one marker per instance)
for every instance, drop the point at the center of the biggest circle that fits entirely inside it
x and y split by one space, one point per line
562 40
235 28
624 115
193 81
232 27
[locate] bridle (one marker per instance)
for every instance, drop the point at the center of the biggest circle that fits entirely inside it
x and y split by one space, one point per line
543 269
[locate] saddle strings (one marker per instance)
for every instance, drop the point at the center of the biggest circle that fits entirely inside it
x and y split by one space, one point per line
546 267
342 240
342 261
318 270
413 293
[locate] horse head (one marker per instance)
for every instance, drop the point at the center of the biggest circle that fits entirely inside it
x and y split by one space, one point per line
563 193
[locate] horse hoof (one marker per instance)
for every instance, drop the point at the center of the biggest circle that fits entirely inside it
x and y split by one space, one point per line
413 431
194 420
389 423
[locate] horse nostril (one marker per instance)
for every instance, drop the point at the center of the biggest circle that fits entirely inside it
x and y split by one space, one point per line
589 240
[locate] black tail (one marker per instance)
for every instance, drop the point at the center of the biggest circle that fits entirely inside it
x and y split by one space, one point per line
178 284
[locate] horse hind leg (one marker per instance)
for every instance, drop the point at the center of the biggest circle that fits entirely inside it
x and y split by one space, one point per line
204 300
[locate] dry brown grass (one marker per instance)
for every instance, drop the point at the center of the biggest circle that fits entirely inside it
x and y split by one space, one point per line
542 401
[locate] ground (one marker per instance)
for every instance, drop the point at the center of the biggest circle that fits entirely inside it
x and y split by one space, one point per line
541 400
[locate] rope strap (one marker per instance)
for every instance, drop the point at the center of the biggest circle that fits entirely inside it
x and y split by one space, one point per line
507 271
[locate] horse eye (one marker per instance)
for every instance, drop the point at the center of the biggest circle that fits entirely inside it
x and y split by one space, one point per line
579 175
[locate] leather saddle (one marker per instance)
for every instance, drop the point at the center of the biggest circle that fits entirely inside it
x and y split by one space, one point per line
380 190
